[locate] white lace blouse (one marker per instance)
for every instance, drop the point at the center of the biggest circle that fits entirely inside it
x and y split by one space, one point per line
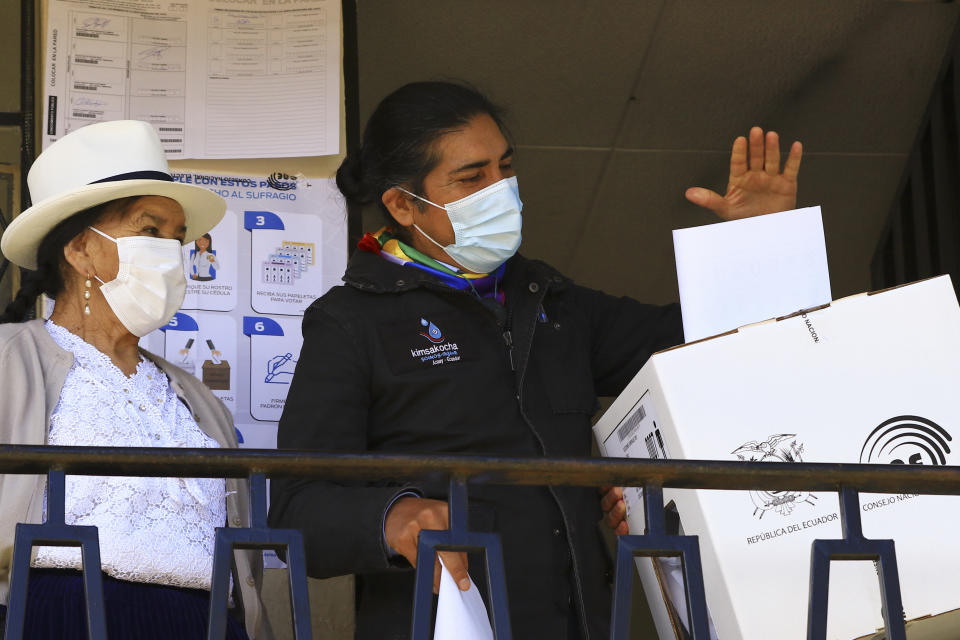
157 530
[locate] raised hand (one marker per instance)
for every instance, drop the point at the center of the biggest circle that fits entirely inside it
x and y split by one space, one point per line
756 186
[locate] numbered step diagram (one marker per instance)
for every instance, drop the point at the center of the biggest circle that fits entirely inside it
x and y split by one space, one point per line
210 264
285 268
274 351
205 345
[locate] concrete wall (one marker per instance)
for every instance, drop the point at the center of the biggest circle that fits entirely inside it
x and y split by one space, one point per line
618 106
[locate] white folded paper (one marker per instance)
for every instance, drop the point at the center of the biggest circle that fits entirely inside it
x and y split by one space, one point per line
745 271
461 615
672 570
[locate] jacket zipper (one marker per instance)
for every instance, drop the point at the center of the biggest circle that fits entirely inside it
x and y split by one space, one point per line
508 338
508 341
505 331
556 499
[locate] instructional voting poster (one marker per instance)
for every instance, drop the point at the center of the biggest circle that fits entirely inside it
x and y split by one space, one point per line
281 244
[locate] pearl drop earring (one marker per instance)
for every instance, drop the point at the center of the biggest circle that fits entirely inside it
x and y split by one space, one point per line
86 296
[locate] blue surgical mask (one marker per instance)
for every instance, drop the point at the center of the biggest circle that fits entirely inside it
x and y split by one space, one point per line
486 226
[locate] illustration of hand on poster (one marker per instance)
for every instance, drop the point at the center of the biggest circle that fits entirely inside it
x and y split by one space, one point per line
286 272
274 350
210 264
205 345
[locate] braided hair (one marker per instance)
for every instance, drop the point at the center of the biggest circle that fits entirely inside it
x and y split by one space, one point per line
48 277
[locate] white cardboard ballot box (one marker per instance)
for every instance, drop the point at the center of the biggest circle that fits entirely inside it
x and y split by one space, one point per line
871 378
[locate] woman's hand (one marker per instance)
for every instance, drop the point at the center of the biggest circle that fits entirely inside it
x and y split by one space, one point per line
614 510
756 186
406 519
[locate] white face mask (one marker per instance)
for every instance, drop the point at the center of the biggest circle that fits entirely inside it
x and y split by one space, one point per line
150 284
486 226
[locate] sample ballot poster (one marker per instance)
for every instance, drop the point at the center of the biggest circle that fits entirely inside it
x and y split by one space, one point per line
281 244
263 78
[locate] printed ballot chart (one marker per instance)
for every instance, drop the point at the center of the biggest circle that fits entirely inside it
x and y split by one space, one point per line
253 66
281 244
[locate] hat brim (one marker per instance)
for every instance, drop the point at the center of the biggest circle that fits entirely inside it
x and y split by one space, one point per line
202 208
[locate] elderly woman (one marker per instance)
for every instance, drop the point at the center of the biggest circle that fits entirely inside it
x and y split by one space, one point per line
104 240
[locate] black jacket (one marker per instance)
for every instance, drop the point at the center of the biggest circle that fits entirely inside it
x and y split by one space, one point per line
518 380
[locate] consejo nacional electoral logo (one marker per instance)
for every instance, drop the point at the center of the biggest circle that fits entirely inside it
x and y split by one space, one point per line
907 440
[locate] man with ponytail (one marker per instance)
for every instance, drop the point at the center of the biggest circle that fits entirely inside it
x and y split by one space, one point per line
104 240
445 340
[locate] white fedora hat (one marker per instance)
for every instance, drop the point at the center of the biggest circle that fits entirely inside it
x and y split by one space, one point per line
96 164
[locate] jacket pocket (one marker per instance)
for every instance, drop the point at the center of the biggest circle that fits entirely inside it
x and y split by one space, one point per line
561 353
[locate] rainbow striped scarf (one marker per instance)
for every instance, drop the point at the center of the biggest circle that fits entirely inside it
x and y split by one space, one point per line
384 243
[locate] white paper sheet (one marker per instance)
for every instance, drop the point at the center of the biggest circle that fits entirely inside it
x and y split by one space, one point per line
461 615
217 78
736 273
672 570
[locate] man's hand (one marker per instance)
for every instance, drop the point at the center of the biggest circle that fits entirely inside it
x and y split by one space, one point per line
758 186
406 519
614 510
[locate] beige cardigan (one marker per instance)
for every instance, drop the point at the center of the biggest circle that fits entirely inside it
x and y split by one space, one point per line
32 372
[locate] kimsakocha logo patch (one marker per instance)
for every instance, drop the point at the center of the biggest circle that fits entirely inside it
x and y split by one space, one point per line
441 350
433 333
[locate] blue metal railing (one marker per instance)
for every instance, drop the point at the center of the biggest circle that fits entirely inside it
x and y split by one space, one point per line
653 475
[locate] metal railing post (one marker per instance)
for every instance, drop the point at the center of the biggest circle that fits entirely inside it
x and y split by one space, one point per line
458 538
652 544
853 546
258 536
55 533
